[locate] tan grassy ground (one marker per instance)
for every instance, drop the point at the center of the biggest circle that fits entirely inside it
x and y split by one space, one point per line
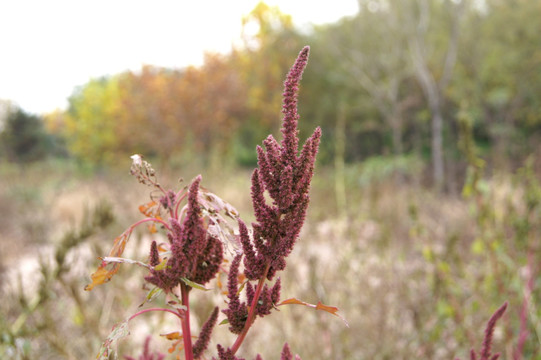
397 262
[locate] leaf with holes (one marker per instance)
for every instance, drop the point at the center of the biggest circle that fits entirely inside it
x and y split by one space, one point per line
119 331
104 273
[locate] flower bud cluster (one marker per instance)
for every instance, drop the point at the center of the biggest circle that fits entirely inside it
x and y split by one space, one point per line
237 311
195 255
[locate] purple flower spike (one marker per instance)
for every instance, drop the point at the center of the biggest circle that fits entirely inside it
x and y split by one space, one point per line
204 337
486 349
489 332
286 353
236 312
285 175
289 109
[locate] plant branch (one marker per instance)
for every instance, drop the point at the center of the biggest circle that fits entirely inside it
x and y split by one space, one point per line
154 309
251 312
147 220
186 331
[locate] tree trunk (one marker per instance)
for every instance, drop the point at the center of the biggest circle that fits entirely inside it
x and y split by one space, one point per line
432 88
437 149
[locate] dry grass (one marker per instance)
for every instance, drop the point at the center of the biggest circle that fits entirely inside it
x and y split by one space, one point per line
395 265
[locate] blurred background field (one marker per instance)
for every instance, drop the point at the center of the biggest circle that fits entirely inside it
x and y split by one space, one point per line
425 214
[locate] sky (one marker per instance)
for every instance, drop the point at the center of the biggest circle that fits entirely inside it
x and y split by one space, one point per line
48 48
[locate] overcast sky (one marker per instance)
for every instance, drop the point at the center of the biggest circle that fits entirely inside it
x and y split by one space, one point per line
50 47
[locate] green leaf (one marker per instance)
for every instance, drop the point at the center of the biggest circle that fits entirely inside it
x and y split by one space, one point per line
152 294
194 284
224 321
161 265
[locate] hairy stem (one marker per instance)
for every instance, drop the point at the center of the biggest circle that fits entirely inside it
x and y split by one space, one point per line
252 312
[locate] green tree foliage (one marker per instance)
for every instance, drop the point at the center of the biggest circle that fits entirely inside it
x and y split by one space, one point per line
388 81
498 76
156 111
269 40
23 137
90 120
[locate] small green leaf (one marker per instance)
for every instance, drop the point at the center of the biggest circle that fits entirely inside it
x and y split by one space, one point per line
241 287
152 294
224 321
161 265
194 284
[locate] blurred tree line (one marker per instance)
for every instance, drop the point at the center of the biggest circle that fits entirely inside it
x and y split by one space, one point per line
23 137
387 81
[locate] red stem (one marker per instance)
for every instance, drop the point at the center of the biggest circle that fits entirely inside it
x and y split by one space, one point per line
186 332
251 313
154 309
149 219
179 200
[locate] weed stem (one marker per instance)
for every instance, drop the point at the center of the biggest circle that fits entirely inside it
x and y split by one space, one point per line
252 312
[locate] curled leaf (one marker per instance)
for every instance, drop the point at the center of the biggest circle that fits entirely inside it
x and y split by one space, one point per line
146 209
151 210
104 274
113 259
175 335
152 294
100 276
119 331
319 306
212 208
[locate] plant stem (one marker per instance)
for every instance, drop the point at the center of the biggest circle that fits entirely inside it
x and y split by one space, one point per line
179 200
154 309
252 312
186 332
166 225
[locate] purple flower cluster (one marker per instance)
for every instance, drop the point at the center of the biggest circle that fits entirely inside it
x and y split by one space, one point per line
195 255
237 311
285 176
196 231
